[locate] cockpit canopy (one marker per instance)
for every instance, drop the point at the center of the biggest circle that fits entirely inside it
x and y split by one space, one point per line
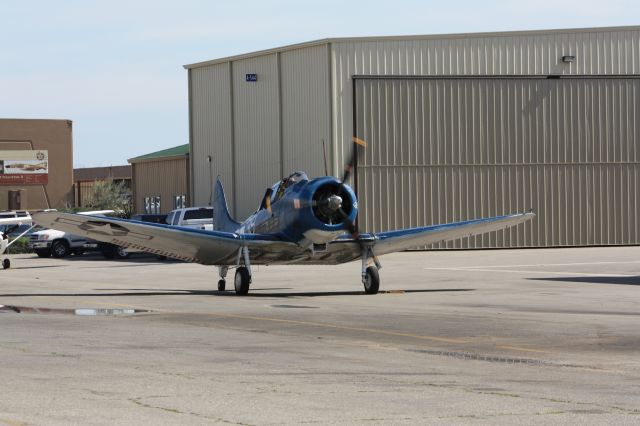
277 190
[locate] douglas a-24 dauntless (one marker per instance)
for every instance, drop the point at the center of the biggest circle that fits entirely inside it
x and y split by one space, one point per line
299 221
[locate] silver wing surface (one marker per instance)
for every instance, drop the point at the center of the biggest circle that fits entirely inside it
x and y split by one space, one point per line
346 249
221 248
191 245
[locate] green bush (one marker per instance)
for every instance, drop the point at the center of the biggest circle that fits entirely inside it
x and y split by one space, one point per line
20 246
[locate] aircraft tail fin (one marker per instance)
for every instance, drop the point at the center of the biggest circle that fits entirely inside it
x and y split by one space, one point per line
222 221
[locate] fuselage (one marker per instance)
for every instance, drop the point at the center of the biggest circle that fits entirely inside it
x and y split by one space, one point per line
304 211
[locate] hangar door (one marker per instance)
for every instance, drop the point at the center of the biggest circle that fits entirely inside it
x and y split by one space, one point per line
452 149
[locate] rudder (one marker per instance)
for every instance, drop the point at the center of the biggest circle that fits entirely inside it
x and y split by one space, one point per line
222 221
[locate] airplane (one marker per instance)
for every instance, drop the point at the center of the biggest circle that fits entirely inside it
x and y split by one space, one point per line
28 167
300 221
14 223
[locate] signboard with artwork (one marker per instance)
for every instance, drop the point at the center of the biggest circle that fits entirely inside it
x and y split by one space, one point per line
24 167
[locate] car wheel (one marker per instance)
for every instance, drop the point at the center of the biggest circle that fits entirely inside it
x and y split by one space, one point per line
60 249
108 251
43 252
121 252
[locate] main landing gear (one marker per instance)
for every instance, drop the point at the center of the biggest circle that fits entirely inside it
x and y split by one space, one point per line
242 278
370 276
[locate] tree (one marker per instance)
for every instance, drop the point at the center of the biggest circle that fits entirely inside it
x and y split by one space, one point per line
109 194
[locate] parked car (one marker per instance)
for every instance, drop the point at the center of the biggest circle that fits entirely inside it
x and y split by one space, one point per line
112 251
192 217
153 218
50 242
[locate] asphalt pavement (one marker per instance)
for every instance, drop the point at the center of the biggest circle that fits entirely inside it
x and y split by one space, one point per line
526 337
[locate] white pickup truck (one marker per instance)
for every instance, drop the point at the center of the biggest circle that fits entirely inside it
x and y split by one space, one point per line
192 217
51 242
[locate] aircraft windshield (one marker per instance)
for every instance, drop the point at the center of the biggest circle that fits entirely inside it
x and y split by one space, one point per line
277 190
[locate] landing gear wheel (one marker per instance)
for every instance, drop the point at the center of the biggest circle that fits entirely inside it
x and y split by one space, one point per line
6 264
242 281
371 280
221 285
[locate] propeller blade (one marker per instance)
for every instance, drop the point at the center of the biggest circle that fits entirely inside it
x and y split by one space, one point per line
348 168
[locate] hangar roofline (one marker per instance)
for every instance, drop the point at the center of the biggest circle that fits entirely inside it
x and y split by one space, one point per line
323 41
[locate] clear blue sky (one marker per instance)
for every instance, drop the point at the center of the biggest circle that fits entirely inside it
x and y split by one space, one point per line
115 67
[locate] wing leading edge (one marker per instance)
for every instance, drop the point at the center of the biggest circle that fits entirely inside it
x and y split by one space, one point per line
191 245
404 239
346 249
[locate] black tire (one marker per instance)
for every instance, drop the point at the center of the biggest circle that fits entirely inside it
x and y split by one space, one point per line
372 280
108 251
242 281
6 264
121 252
43 252
60 249
221 285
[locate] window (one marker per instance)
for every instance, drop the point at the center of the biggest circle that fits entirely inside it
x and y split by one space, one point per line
169 218
152 204
205 213
179 201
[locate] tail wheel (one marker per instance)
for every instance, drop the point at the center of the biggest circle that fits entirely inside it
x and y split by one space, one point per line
221 285
242 281
6 264
371 280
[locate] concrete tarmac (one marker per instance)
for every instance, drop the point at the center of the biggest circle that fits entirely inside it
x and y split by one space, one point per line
481 337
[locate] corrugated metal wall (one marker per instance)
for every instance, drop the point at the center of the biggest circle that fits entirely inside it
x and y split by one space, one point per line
305 109
258 132
597 52
211 130
166 178
442 150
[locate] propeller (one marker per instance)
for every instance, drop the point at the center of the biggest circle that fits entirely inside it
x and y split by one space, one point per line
327 203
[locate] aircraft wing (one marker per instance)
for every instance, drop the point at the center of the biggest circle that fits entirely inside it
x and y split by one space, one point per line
345 249
404 239
25 220
188 244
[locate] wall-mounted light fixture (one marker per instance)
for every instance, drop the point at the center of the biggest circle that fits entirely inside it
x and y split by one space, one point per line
568 58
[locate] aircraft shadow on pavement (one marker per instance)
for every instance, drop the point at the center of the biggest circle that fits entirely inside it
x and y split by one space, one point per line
153 292
594 280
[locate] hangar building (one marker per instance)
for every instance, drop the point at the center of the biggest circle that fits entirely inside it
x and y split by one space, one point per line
161 180
458 127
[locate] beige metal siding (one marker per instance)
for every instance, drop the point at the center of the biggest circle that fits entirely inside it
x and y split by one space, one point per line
305 109
210 99
442 150
609 52
166 178
256 131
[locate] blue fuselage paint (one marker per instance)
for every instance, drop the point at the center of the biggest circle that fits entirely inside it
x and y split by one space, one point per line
291 217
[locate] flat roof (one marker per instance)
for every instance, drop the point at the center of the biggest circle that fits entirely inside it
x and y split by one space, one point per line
404 37
102 173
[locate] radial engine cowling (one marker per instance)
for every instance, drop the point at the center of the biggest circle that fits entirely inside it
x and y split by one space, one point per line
332 203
